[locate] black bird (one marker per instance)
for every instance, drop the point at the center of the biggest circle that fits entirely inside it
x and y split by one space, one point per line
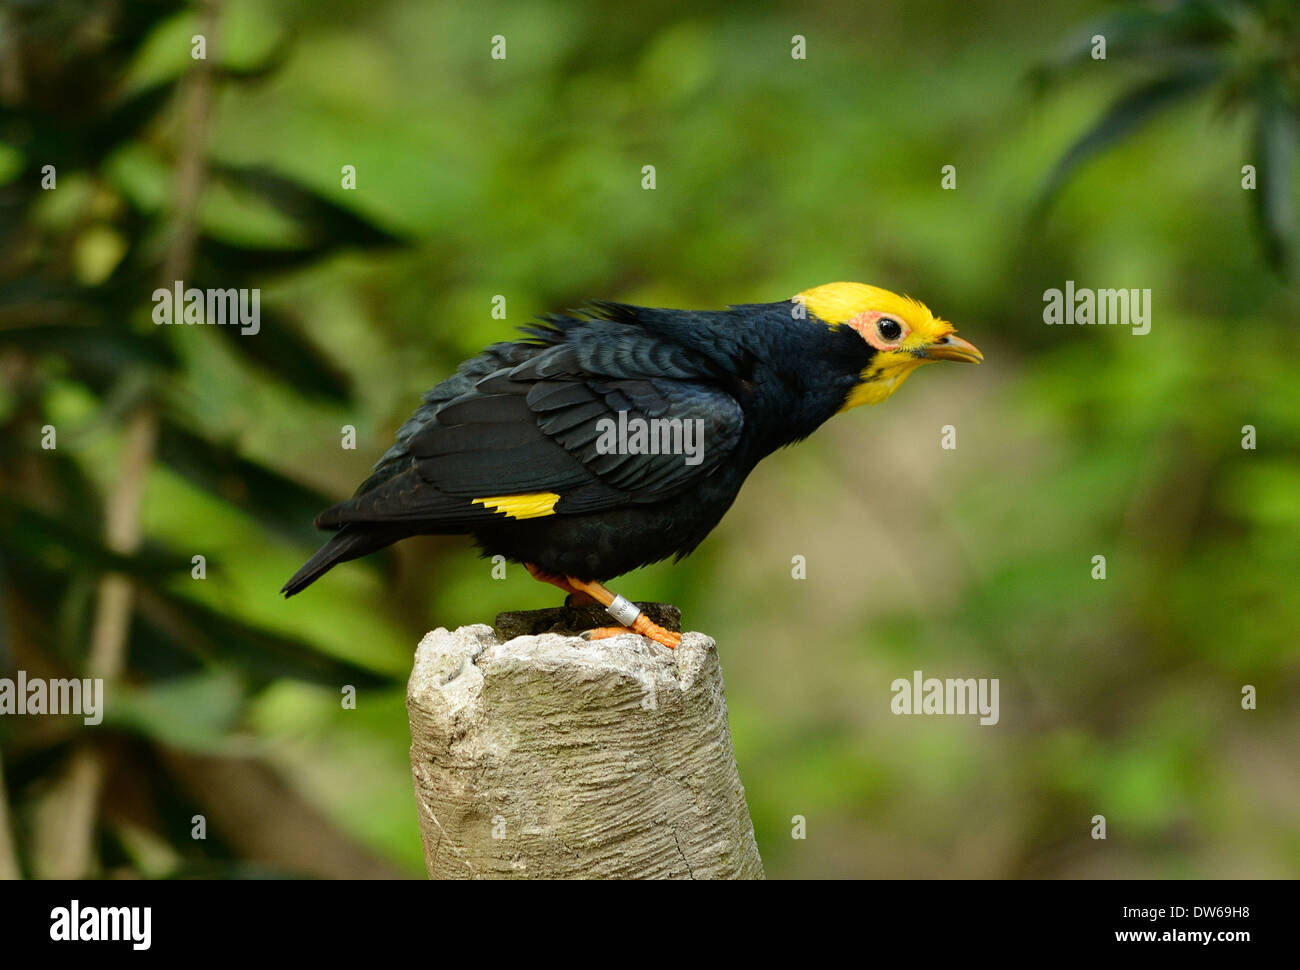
620 435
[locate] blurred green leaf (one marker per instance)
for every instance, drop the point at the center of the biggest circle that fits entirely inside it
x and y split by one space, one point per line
279 350
98 349
278 503
1136 32
260 656
126 120
1276 134
327 224
193 713
1126 116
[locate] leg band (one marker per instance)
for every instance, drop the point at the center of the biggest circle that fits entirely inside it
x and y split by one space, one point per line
623 610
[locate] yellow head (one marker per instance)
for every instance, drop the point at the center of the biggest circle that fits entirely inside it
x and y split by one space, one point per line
903 331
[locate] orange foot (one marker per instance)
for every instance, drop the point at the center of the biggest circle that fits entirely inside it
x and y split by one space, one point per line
641 625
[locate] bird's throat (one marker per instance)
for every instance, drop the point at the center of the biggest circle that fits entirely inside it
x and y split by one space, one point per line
879 380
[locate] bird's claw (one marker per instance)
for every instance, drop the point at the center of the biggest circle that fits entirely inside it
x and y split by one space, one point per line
652 631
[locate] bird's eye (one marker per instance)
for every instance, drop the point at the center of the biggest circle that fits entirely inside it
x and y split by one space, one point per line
889 329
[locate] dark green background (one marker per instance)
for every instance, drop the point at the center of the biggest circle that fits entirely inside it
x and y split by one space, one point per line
522 178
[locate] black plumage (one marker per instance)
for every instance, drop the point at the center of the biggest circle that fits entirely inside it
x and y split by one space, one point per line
524 417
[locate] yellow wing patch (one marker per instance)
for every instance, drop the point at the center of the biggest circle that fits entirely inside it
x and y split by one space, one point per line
531 505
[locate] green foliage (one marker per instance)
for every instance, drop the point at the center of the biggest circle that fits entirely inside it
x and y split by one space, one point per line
79 263
522 178
1247 50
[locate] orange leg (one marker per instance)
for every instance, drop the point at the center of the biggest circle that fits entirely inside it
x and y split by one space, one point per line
641 624
539 574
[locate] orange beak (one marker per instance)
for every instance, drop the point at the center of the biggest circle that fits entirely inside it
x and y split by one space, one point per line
952 347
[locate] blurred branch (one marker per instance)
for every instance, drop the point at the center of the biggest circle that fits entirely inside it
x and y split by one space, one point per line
234 795
8 847
71 856
122 536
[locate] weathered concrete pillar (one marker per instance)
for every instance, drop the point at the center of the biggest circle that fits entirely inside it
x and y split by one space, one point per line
549 756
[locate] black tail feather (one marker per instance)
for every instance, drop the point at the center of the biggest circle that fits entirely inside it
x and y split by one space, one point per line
349 542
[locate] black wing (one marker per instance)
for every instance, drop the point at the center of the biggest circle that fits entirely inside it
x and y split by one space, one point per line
527 418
